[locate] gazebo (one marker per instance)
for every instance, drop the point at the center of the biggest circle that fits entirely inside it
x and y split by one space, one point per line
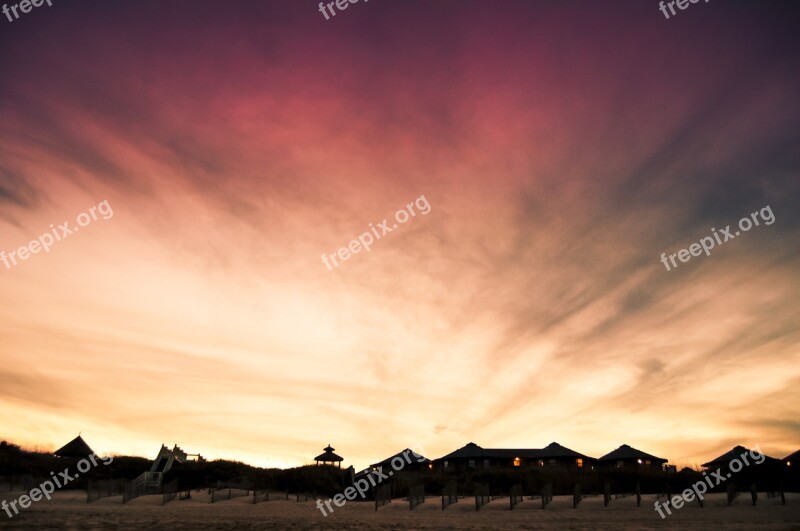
329 458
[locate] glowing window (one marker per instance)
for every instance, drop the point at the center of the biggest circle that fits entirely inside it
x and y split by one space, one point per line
517 461
579 462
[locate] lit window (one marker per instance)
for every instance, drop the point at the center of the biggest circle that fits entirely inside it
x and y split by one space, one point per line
647 461
430 465
639 461
579 462
517 461
788 463
541 462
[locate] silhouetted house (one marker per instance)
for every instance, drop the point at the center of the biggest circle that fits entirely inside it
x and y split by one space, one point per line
745 457
792 460
627 457
75 449
329 458
401 462
473 456
791 471
556 455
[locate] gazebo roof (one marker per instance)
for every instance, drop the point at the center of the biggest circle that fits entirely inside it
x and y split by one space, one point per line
329 456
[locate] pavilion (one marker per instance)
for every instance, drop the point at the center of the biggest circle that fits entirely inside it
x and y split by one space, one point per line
329 458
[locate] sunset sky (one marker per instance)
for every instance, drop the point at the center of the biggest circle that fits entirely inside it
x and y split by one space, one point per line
562 147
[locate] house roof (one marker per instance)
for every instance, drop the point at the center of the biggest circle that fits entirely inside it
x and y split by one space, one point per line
551 451
415 458
556 450
77 447
792 457
627 452
470 450
734 453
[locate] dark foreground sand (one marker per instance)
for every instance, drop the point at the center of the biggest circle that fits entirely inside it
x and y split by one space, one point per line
69 510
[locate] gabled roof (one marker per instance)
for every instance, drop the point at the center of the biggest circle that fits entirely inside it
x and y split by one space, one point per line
551 451
556 450
77 447
734 453
627 452
471 450
415 459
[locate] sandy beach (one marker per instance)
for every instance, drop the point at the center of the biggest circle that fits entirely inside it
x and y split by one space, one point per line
69 510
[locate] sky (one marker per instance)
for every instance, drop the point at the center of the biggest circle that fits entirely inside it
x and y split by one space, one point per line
551 152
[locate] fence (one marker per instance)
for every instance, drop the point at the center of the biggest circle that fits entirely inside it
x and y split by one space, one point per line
416 496
306 496
772 494
267 496
733 492
515 496
147 483
383 495
171 492
547 494
636 492
23 483
228 494
104 489
449 495
576 495
481 496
